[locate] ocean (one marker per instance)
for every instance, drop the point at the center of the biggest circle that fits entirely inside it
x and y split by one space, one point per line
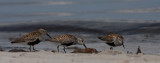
34 10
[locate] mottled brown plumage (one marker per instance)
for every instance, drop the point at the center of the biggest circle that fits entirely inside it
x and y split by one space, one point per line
32 38
113 40
66 40
63 39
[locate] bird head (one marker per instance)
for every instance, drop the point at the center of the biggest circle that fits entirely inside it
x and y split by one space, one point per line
44 32
81 42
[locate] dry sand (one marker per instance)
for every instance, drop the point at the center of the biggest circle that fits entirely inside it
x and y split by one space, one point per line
50 57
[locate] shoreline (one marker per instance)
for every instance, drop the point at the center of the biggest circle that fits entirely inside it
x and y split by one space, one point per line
50 57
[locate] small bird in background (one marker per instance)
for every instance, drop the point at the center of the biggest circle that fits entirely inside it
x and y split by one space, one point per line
32 38
139 50
113 40
66 40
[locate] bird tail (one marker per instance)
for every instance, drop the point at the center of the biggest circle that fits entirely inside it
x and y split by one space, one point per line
138 50
100 38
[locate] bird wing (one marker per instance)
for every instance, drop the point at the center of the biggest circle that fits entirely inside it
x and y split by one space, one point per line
64 39
30 37
109 39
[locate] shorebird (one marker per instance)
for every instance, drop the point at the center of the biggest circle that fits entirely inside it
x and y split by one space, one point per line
113 40
32 38
66 40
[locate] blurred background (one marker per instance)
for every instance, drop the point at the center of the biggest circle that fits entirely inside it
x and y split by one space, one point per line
137 20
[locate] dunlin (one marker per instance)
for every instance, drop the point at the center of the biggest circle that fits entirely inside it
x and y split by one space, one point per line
66 40
32 38
113 40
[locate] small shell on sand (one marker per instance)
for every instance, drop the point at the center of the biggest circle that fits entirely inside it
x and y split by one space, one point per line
87 50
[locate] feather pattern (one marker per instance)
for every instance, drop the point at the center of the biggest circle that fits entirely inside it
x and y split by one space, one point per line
64 39
31 37
113 39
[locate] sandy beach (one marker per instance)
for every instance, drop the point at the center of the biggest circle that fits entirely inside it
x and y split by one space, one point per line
50 57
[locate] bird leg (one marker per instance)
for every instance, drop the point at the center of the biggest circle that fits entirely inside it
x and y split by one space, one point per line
58 48
123 46
64 50
33 47
30 48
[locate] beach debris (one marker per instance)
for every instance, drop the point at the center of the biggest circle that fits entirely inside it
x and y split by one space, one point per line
53 51
86 50
17 50
75 47
139 50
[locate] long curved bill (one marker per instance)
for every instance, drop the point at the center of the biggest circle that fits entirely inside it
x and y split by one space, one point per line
84 45
49 35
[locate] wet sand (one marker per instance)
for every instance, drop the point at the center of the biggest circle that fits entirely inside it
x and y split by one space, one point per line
50 57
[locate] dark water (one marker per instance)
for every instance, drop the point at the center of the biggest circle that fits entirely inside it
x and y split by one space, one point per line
134 19
35 10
